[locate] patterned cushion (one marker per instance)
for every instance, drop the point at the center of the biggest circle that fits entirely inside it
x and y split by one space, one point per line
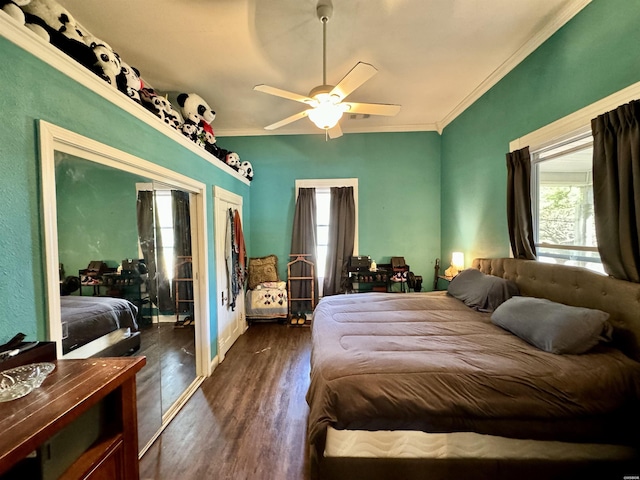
263 269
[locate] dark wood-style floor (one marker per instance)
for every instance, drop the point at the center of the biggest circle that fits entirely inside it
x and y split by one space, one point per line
248 420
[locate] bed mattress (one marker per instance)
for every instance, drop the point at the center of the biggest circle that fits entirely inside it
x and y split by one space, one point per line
426 362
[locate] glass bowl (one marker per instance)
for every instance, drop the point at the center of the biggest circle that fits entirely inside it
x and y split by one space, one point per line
18 382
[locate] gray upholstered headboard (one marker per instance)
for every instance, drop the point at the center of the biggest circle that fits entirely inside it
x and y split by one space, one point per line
578 287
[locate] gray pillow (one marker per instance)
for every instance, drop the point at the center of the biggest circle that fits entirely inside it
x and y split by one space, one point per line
553 327
481 292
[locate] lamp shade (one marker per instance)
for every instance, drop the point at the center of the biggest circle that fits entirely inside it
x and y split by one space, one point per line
326 115
457 260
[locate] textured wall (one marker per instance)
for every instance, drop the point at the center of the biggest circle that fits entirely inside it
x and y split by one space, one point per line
399 191
592 56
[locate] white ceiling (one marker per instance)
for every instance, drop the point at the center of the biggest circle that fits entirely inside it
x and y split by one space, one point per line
434 57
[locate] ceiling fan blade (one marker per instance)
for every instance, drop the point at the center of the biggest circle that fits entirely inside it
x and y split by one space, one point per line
372 108
284 94
287 120
352 80
335 132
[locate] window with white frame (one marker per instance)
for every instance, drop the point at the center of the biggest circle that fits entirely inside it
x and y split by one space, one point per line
562 190
323 216
562 203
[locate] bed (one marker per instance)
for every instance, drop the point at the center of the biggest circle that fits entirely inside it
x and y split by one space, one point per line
420 385
86 319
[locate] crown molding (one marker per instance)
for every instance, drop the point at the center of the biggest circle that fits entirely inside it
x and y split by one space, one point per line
260 132
570 11
43 50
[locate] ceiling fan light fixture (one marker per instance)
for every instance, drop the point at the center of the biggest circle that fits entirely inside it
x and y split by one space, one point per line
326 115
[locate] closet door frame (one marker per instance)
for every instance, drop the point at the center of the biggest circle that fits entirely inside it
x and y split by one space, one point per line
222 200
54 138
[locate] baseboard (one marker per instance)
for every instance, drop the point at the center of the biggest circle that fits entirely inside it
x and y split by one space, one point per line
213 365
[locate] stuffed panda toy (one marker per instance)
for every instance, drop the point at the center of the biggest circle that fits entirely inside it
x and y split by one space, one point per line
52 17
233 160
195 109
198 113
246 170
107 64
192 132
14 10
161 108
129 82
63 30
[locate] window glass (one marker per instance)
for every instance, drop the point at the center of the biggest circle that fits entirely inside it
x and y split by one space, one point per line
563 206
323 207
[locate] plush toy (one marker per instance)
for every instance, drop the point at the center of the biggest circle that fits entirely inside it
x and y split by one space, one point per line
233 160
107 63
12 8
193 132
129 82
246 170
160 107
62 29
198 112
54 16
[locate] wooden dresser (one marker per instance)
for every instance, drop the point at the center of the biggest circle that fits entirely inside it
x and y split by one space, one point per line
80 424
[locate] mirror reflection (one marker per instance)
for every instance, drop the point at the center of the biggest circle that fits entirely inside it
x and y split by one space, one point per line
124 249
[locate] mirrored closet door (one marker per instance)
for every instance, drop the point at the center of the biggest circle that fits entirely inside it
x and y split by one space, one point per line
128 240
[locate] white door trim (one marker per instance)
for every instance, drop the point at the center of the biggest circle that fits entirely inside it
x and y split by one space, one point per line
220 194
54 138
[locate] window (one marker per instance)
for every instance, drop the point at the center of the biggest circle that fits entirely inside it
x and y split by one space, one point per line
323 207
563 203
323 210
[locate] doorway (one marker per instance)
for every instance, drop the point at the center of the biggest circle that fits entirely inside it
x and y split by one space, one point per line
231 316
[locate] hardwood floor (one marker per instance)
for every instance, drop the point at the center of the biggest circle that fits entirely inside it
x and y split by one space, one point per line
248 420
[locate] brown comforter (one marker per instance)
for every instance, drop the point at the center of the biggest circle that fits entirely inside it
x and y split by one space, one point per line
425 361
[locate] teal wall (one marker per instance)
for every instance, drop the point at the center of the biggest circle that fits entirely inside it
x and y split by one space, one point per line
32 90
97 213
398 183
597 53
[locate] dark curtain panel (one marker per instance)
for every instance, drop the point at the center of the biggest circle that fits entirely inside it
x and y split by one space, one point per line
151 246
182 250
616 190
342 228
303 241
519 218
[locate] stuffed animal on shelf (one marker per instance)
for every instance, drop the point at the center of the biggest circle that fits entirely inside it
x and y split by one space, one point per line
54 16
129 82
161 108
107 64
246 170
196 112
233 160
63 30
12 8
193 132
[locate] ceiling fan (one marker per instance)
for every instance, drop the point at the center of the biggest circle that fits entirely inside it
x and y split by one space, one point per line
326 101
